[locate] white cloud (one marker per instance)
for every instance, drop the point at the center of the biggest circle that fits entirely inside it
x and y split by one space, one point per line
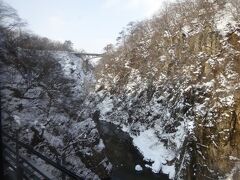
148 7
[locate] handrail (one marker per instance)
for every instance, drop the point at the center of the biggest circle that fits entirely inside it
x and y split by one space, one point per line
26 161
49 161
14 168
25 169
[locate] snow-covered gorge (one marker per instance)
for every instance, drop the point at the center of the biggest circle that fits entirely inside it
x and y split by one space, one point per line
173 83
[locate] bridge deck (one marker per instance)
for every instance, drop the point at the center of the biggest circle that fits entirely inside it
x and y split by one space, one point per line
88 54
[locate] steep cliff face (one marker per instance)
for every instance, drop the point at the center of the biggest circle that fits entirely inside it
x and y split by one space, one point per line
173 83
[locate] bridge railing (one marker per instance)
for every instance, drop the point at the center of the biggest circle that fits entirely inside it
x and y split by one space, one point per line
89 55
23 168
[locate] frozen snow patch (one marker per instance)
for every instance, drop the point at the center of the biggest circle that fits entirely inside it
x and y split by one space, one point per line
100 146
190 126
105 106
224 20
227 101
153 150
17 119
233 158
138 168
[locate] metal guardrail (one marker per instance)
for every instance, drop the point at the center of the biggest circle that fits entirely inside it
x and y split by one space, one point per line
22 166
9 154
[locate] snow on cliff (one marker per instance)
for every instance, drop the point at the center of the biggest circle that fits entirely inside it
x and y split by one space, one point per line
168 97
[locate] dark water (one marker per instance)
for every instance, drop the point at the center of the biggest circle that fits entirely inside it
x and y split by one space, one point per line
124 156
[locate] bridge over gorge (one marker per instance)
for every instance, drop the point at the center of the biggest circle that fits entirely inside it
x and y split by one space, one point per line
88 55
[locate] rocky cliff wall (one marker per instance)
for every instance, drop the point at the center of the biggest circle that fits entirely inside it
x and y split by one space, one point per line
183 86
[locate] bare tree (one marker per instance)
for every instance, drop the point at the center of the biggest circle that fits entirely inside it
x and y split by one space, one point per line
9 18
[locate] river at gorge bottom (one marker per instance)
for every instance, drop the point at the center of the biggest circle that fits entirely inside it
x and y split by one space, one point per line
124 156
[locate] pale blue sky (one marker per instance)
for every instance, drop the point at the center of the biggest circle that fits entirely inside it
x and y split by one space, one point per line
89 24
